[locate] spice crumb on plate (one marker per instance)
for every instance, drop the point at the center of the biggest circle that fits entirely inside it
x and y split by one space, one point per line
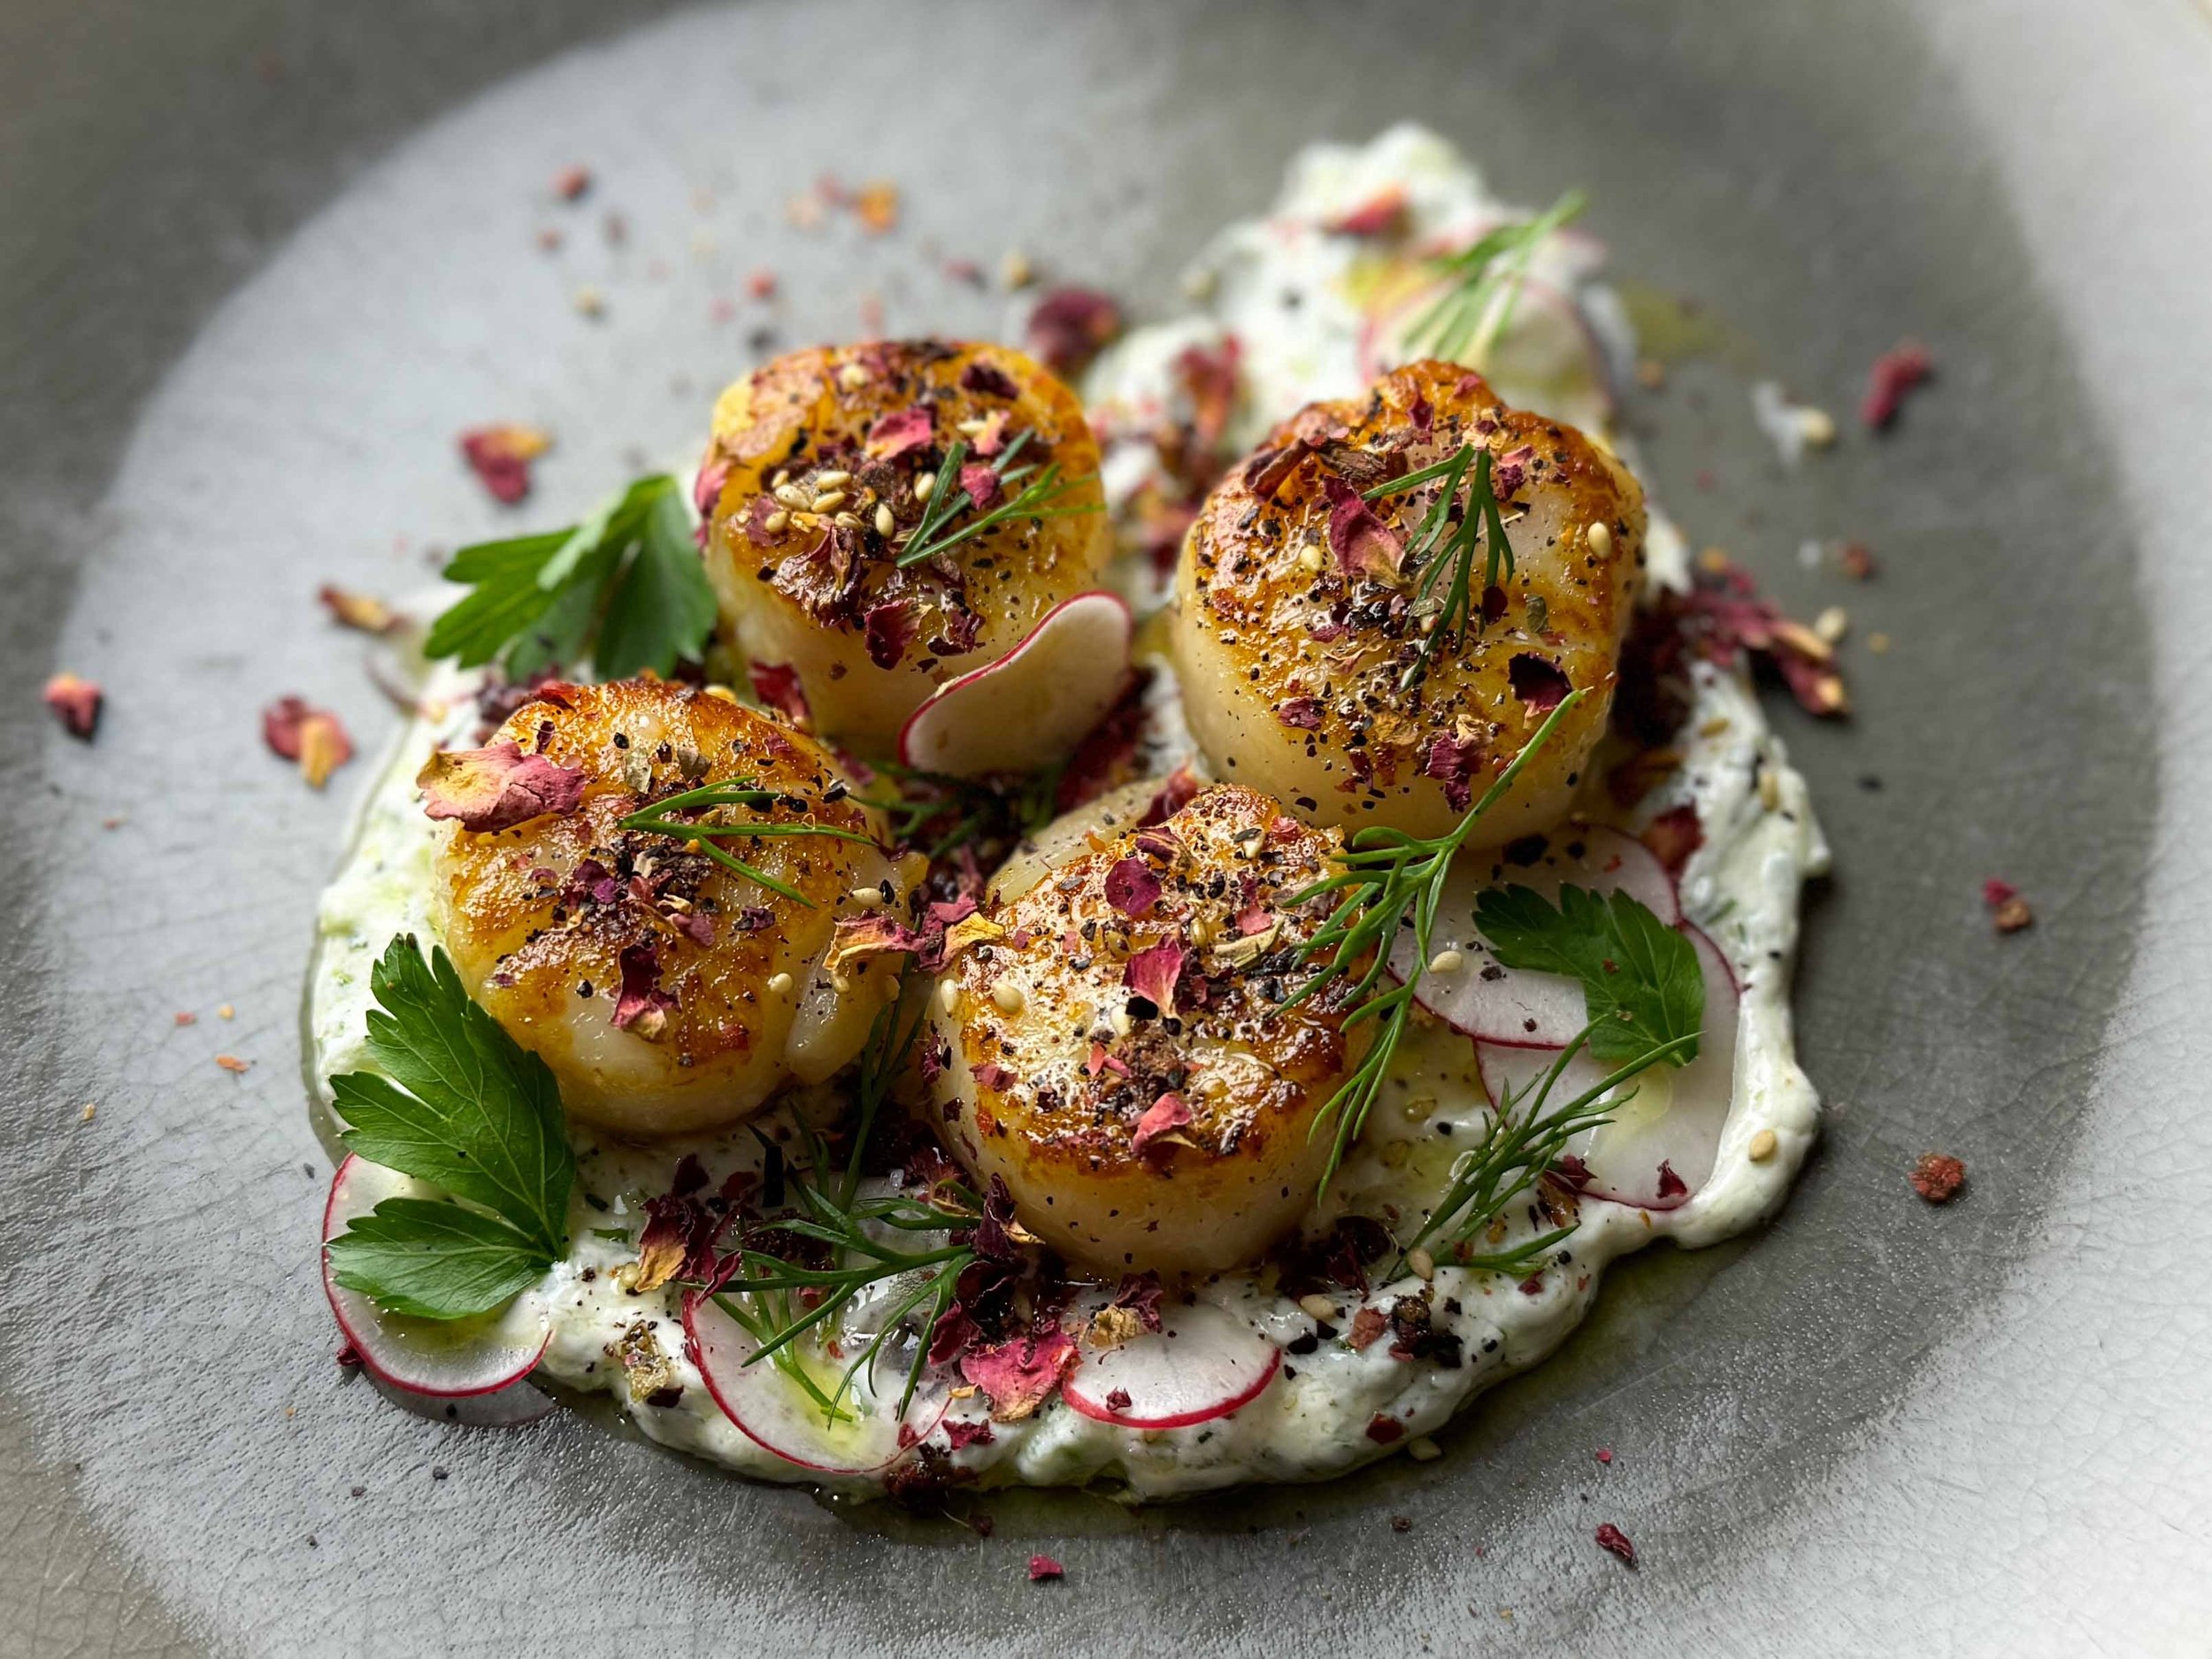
1937 1177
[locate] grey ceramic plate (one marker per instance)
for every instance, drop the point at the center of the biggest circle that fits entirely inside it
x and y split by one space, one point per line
261 262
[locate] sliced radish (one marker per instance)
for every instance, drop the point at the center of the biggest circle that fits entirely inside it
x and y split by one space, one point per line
443 1359
1034 704
1203 1363
1675 1118
1500 1004
780 1416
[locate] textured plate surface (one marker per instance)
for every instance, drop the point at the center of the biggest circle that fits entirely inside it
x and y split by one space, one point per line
262 262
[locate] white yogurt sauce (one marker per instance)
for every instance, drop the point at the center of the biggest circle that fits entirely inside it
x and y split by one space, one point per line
1741 886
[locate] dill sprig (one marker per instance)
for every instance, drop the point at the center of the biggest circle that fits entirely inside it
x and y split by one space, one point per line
781 1298
977 811
1040 497
1520 1145
1448 544
705 834
1390 880
1487 277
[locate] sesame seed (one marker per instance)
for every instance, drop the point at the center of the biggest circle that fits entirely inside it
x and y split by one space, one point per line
1831 624
791 496
1878 643
1770 789
1422 1263
1422 1450
1008 996
1599 535
948 995
834 478
780 985
1317 1306
1762 1146
1016 271
775 522
885 522
1309 559
867 898
852 377
829 501
1446 962
848 521
923 485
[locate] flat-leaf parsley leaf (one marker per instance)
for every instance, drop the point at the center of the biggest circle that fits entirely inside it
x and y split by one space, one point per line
625 587
461 1105
1640 980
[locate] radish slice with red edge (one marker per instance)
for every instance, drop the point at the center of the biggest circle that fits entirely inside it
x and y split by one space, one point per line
441 1359
1483 999
1032 705
780 1416
1203 1362
1676 1117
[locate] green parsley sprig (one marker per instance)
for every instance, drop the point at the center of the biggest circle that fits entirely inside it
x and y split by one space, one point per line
1390 880
463 1106
1487 277
1644 995
1042 496
1447 542
625 589
707 833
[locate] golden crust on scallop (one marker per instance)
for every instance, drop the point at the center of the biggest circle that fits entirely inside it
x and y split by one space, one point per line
645 973
1294 633
817 455
1115 1049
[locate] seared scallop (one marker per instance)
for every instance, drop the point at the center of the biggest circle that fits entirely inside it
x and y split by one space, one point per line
667 991
1112 1041
1303 602
822 467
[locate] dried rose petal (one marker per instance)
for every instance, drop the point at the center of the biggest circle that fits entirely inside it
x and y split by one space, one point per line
872 934
361 612
1019 1375
75 703
1301 714
1670 1185
1264 472
1674 835
777 685
889 631
1132 889
312 737
1385 1430
498 787
1043 1567
571 183
1152 974
876 205
1164 1115
1538 682
1451 761
1363 543
1895 372
1510 471
706 487
501 455
1368 1324
642 1006
1381 214
1937 1177
993 1077
1071 326
982 484
1182 785
1614 1541
1208 376
987 380
903 430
